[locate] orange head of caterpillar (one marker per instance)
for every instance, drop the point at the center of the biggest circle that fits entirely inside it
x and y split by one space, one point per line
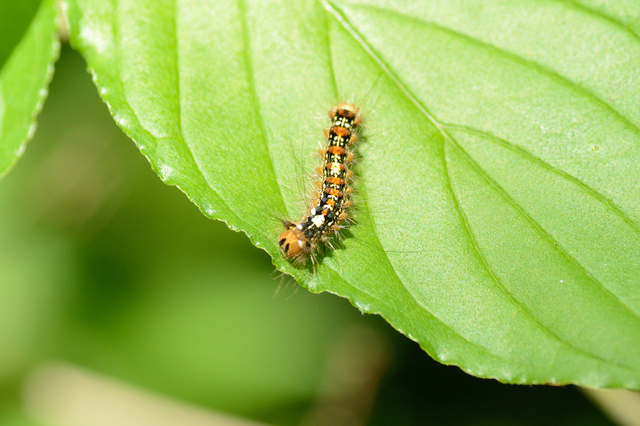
293 243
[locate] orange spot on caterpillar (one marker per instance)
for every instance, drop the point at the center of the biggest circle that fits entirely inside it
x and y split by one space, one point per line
342 132
335 181
336 150
334 192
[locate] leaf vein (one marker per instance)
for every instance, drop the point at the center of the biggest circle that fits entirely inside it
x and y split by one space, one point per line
179 94
248 60
523 152
492 274
541 69
584 9
543 232
138 124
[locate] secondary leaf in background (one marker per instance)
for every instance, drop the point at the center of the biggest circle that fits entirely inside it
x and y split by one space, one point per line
29 47
498 189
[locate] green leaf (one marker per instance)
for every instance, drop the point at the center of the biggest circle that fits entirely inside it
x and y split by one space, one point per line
497 205
28 48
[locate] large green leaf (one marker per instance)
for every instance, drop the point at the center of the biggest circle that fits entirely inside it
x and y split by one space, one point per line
28 48
497 201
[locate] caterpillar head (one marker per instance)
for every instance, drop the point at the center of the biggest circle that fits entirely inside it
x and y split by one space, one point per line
293 244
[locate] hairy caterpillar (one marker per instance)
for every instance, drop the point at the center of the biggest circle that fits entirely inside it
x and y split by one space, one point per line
328 211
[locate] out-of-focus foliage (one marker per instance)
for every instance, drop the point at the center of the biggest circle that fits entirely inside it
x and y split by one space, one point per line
28 48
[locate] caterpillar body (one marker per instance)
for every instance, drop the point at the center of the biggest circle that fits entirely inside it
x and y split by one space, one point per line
328 211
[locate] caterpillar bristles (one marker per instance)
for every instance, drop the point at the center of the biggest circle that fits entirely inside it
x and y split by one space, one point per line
328 213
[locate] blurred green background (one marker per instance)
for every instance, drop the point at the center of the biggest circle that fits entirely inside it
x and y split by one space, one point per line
104 267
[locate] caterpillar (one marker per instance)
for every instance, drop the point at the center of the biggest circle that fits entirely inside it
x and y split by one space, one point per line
328 211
